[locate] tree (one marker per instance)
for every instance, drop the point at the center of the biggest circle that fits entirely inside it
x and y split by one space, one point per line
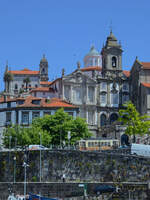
59 124
26 81
21 136
8 77
134 122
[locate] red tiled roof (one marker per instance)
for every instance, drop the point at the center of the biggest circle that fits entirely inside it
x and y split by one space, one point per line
97 68
25 71
53 102
146 65
146 84
42 89
45 83
126 73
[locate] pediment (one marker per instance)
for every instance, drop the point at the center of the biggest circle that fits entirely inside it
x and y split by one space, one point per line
78 77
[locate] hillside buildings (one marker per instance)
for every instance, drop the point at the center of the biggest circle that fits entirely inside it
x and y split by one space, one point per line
98 89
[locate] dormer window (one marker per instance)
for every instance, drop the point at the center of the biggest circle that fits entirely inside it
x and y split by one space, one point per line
20 102
36 102
114 61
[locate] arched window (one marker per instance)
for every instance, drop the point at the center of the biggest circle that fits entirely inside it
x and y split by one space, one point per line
16 87
43 71
103 120
114 61
113 118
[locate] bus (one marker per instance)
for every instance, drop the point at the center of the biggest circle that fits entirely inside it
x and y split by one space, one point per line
96 144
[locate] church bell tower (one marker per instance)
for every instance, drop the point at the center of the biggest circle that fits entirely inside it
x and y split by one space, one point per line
44 69
111 55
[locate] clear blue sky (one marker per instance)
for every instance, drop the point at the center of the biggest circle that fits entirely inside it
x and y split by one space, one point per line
64 30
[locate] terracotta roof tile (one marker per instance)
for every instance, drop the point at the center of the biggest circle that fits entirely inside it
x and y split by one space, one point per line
126 73
45 83
97 68
53 102
146 65
25 71
42 89
146 84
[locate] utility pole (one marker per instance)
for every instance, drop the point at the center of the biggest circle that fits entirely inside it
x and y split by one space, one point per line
40 157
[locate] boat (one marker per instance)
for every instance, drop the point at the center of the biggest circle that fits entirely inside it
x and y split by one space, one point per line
39 197
29 197
17 197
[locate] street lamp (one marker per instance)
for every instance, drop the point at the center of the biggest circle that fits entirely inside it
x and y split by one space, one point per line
14 169
25 165
9 147
69 137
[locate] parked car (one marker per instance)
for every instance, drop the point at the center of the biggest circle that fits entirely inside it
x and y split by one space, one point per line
104 189
37 147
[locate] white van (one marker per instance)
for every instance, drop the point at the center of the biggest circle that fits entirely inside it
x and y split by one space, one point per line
37 147
140 149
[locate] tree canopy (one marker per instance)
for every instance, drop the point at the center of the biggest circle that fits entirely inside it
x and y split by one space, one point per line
134 122
53 129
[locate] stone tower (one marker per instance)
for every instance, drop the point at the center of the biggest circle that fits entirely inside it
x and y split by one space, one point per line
111 56
44 69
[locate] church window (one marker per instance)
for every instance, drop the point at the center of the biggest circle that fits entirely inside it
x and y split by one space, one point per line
67 92
91 117
114 99
103 99
103 120
114 61
43 71
103 86
16 87
77 94
113 118
91 93
125 98
96 62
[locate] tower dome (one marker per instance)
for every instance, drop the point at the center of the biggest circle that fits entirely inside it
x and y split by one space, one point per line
43 60
93 58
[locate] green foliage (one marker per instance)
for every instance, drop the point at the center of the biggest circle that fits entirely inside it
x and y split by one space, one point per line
59 124
21 136
53 128
135 123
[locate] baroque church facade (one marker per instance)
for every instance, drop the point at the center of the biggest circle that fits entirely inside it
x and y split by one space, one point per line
99 91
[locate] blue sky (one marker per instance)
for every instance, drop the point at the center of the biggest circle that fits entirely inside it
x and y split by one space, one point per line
64 30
